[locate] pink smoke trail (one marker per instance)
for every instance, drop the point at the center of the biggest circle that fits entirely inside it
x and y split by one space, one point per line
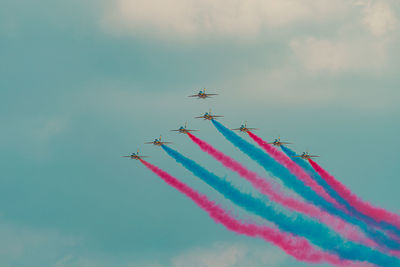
275 194
364 207
293 168
300 173
297 247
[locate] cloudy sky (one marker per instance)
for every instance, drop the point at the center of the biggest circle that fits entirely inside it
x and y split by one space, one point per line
83 82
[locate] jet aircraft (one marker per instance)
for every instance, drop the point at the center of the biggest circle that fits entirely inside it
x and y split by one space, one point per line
277 142
135 156
305 155
244 128
202 94
183 129
208 116
158 142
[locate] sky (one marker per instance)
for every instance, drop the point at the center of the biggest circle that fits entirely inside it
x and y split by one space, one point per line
84 82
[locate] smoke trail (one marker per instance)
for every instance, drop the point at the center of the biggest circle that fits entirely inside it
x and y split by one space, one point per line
371 220
297 166
292 167
299 248
293 183
378 214
298 225
278 196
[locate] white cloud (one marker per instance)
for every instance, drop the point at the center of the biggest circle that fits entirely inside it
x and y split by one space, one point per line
101 261
27 246
333 56
192 18
38 134
293 86
379 18
24 246
230 255
335 40
49 128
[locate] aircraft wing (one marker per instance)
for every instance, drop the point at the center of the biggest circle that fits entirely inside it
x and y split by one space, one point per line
210 94
216 116
199 117
144 157
193 95
174 130
149 142
192 130
296 156
125 156
166 142
285 143
252 128
237 129
312 156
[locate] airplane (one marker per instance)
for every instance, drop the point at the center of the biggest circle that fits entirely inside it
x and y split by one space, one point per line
183 130
243 128
158 142
135 156
305 155
277 142
208 116
202 94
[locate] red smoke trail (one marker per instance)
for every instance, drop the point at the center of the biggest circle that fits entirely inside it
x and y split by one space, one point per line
366 208
278 196
293 168
297 247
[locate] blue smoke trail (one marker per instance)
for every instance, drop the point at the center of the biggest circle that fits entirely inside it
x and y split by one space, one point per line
291 181
300 225
307 168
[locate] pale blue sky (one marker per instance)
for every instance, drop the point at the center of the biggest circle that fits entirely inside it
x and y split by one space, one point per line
84 82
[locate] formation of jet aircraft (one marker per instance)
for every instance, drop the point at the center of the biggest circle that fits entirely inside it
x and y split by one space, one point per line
209 116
